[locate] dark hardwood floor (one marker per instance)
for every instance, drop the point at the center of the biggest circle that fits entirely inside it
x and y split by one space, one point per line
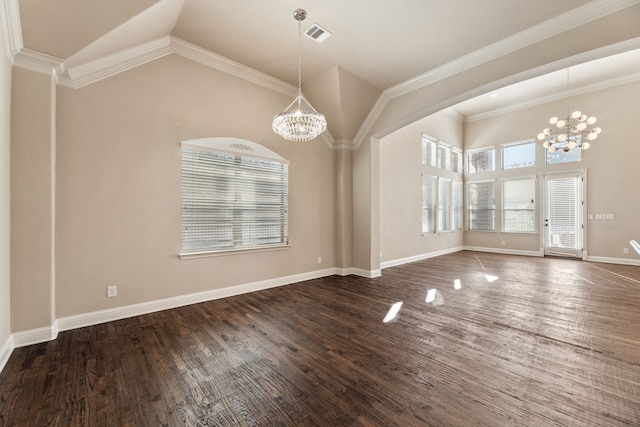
522 342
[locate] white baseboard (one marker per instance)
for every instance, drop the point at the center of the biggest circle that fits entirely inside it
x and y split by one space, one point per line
5 351
48 333
401 261
35 336
612 260
369 274
538 253
102 316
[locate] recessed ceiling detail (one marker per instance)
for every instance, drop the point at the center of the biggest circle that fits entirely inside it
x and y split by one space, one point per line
317 33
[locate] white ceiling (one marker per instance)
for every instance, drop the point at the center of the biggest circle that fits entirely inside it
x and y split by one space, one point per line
385 44
580 78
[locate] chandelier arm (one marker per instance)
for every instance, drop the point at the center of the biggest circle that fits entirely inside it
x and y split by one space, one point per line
308 103
296 100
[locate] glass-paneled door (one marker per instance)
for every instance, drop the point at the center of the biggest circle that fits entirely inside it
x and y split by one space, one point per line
563 214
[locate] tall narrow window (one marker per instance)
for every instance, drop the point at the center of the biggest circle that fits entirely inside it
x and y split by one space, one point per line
481 160
234 196
428 204
428 151
456 160
456 205
444 204
444 156
481 206
518 205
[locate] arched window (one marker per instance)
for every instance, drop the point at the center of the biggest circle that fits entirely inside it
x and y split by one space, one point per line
234 196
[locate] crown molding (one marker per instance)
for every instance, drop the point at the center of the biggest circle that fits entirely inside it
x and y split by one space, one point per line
453 114
10 15
369 121
220 63
552 27
343 144
38 62
94 71
630 78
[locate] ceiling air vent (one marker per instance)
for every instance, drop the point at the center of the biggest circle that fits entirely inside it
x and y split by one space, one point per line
317 33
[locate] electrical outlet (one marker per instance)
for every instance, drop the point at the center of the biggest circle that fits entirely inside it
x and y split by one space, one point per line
504 243
319 260
112 291
625 251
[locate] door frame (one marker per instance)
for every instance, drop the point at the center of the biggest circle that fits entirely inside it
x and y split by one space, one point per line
581 252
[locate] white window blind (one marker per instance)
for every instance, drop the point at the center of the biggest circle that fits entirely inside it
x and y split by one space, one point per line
456 160
518 205
456 206
428 151
444 204
232 200
444 152
428 204
562 215
481 205
482 160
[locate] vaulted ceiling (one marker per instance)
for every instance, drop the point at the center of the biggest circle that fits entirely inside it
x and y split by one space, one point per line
377 49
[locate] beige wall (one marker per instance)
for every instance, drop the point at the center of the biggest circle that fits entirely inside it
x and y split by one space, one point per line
32 201
5 137
118 186
114 217
401 189
611 164
558 52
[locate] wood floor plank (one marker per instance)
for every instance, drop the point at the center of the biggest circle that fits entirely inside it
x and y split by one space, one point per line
506 341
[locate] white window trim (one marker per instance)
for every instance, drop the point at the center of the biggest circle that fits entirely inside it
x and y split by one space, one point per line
516 143
535 205
435 204
460 211
466 206
235 147
448 208
433 142
476 150
460 160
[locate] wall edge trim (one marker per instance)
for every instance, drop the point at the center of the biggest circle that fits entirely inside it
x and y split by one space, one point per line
427 255
5 351
611 260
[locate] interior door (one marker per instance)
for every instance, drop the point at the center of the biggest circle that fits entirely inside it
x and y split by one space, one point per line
563 214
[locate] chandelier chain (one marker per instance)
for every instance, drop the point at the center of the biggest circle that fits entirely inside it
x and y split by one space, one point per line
299 121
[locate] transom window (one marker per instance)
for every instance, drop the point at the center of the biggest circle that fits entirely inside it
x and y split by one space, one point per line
481 160
439 154
574 155
234 196
519 155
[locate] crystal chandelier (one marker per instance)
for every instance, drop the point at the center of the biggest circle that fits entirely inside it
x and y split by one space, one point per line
569 133
299 121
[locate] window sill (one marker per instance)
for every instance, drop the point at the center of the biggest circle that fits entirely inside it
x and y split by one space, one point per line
520 232
207 254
